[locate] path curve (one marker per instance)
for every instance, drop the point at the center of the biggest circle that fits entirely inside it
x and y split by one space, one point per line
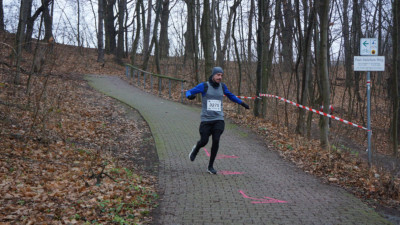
256 187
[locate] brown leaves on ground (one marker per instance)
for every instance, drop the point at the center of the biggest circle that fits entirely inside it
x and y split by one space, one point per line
55 159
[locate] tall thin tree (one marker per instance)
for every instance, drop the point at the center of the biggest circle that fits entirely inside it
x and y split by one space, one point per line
100 39
1 16
135 42
164 41
146 28
48 21
190 29
121 29
24 12
323 11
109 26
395 77
207 39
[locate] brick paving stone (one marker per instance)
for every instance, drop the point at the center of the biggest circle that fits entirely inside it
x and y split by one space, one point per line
192 196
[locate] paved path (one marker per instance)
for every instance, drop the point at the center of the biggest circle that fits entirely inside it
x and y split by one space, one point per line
268 190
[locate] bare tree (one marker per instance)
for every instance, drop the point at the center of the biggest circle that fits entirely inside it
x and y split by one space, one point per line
250 31
100 41
48 22
146 29
78 36
235 44
307 69
164 41
347 48
323 12
135 42
109 27
265 49
356 35
207 39
1 16
120 45
395 76
287 33
24 12
190 30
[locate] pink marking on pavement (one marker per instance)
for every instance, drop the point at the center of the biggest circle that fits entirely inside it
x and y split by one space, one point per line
262 200
222 156
229 172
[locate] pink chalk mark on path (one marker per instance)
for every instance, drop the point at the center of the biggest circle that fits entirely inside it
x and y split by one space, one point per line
229 172
262 200
222 156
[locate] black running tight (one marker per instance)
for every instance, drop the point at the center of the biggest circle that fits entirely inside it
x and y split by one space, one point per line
215 129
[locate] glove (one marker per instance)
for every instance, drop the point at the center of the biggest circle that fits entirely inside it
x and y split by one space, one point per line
191 97
245 105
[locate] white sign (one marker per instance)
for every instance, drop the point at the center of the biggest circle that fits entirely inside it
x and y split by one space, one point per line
369 46
369 63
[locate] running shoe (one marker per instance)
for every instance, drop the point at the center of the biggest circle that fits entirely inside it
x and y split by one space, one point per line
211 170
192 154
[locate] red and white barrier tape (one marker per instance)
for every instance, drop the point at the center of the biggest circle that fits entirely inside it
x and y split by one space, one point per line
315 111
306 108
248 97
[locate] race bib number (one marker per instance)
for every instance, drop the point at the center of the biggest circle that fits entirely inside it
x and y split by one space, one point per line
214 105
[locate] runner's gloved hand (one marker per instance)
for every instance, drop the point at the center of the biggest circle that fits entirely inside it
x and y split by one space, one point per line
191 97
245 105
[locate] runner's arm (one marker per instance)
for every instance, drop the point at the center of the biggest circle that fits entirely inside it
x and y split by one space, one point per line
198 89
231 96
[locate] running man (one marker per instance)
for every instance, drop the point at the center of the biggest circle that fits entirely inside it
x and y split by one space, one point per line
212 115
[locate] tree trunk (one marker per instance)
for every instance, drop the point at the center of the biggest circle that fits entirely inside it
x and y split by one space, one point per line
1 16
262 49
137 36
100 41
29 27
48 22
79 23
24 12
206 39
356 35
307 72
146 29
268 67
126 26
323 66
110 33
120 45
237 57
190 30
164 41
196 35
217 28
347 49
155 37
287 34
395 77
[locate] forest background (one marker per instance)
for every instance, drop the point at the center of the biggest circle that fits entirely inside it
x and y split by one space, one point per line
296 49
